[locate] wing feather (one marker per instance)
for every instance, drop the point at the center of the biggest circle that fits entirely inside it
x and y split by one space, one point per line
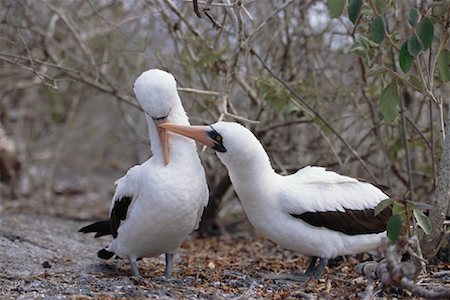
314 189
350 222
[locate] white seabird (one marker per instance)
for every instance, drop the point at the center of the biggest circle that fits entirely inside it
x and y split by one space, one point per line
157 204
315 212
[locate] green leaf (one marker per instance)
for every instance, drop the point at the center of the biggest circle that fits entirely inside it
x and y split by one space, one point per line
382 205
354 8
335 7
397 208
413 17
415 45
389 102
426 32
273 92
381 6
375 71
416 83
377 30
394 227
405 59
422 220
443 65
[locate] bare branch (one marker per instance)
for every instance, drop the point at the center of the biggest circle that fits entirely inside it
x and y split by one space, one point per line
316 114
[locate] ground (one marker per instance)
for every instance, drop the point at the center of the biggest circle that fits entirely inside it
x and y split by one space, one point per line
45 257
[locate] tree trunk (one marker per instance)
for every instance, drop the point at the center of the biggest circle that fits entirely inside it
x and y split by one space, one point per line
208 224
430 243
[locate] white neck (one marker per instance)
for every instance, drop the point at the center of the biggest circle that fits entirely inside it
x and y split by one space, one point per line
250 171
179 147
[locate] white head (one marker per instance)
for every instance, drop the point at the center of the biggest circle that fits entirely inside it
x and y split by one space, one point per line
157 94
235 145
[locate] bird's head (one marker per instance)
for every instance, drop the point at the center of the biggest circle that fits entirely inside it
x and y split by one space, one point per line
233 142
157 94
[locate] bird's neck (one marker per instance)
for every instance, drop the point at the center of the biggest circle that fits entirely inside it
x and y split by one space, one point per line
179 147
251 171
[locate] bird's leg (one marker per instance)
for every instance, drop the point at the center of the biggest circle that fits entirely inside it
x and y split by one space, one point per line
299 277
134 267
323 263
311 266
169 263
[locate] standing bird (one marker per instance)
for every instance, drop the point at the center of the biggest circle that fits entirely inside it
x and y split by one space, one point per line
157 204
315 212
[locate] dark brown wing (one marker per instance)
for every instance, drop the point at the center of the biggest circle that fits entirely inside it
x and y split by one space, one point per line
119 213
100 228
350 222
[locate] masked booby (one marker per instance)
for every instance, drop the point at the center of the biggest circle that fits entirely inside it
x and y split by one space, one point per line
157 204
315 212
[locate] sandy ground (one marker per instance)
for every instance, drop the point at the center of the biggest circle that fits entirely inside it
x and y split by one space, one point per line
45 257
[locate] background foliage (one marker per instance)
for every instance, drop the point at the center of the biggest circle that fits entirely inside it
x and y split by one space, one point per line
356 86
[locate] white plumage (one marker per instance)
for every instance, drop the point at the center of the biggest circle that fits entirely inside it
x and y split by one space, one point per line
314 211
157 204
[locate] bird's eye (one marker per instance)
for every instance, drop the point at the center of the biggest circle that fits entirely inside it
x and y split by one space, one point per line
218 138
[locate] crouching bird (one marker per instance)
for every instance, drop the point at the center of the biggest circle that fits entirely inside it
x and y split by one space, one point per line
315 212
157 204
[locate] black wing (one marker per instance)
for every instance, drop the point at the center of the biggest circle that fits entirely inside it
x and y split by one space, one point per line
118 214
100 228
351 221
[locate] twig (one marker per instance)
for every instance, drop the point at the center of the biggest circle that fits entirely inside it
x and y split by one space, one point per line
247 12
327 140
433 157
216 24
33 67
248 89
314 112
240 118
266 21
39 74
417 129
196 10
264 130
84 48
181 17
75 75
197 91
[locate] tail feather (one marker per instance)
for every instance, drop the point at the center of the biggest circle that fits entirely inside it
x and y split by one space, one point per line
105 254
100 228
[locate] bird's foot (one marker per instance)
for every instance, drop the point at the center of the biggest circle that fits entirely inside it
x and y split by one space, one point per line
138 280
169 264
299 277
167 275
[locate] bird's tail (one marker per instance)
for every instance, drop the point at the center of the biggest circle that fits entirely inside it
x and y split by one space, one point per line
100 228
105 254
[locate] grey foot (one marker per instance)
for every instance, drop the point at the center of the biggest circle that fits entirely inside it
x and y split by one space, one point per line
169 264
289 277
134 267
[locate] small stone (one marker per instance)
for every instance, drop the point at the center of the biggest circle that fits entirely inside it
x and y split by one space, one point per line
46 264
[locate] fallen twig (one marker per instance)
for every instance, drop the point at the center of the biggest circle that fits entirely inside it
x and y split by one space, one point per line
392 272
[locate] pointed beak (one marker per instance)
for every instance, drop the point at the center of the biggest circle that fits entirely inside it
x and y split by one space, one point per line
164 140
195 132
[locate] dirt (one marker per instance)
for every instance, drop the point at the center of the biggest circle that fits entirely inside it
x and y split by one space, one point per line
45 257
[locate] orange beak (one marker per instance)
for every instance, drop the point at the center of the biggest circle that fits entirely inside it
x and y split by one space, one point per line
164 140
195 132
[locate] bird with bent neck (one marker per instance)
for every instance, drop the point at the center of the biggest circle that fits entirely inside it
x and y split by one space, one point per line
314 212
157 204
